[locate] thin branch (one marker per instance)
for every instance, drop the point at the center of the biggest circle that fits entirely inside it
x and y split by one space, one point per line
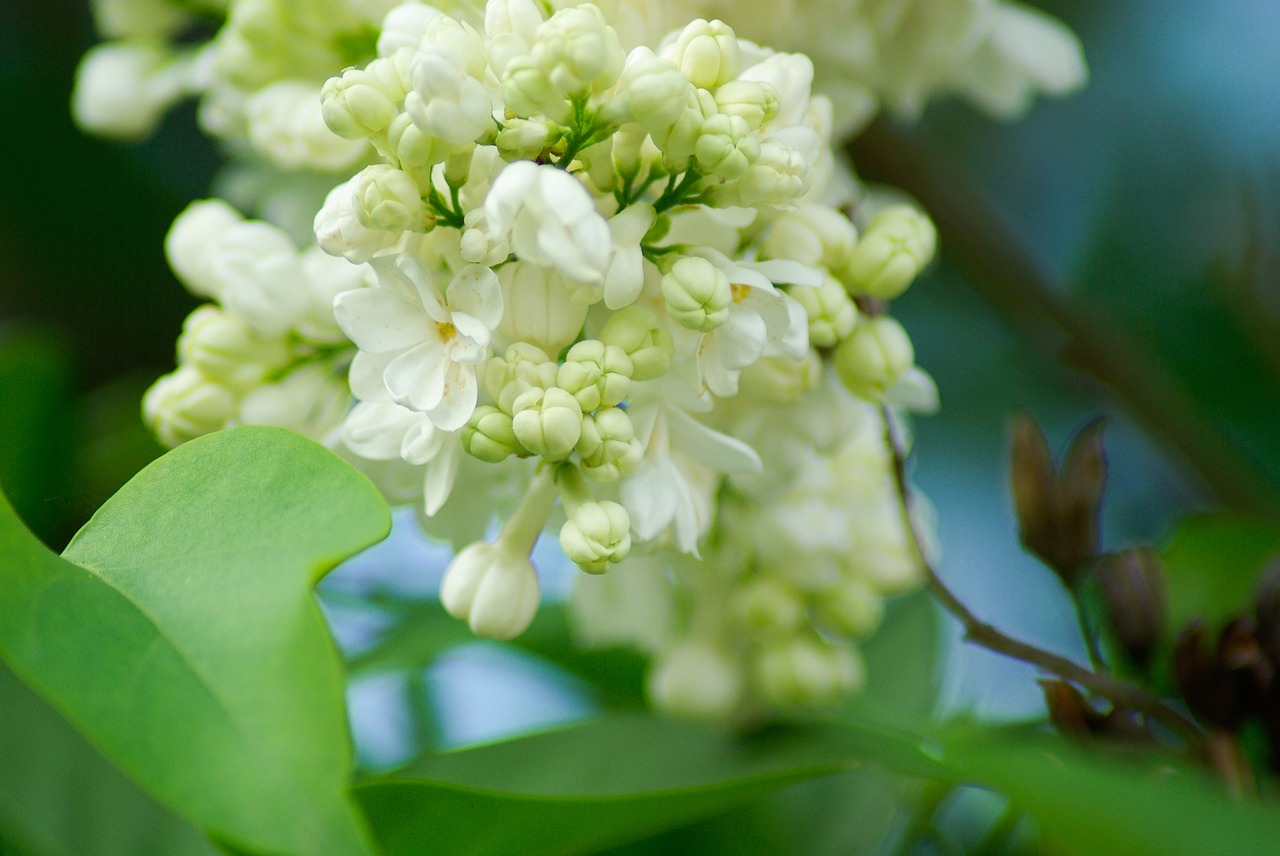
983 248
1120 692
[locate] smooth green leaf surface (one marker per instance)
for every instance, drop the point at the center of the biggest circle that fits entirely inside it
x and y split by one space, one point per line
1085 805
1212 564
605 782
58 797
180 635
904 665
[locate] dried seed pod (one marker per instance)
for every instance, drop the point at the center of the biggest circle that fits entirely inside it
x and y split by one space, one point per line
1133 589
1033 480
1220 693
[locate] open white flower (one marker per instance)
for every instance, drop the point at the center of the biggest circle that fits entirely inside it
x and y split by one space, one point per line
550 219
427 344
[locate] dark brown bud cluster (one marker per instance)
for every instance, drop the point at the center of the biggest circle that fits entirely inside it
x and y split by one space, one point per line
1058 509
1134 593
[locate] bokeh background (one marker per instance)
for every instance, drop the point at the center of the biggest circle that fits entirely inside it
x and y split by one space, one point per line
1147 207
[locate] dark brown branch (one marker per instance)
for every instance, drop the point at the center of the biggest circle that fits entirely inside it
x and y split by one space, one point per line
981 247
1121 693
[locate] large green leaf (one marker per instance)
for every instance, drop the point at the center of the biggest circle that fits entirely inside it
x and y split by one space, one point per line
904 665
58 797
1212 564
1085 804
180 635
605 782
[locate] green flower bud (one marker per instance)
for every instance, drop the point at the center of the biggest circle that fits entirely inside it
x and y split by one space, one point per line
388 199
522 361
637 332
184 405
753 100
768 606
832 315
608 445
806 671
597 374
527 91
851 610
526 139
813 235
897 244
488 435
539 307
413 147
597 535
874 357
725 147
358 104
227 350
707 53
547 422
697 294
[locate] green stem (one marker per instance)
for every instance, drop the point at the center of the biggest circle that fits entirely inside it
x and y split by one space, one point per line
1087 630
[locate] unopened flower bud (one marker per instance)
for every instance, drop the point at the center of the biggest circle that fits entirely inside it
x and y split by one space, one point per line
358 104
547 422
876 355
1078 501
494 589
651 92
521 361
597 535
768 606
1220 690
753 100
414 148
527 139
388 199
184 405
539 307
806 671
779 379
832 314
1133 589
488 435
697 294
227 350
196 228
777 176
897 244
697 680
123 88
597 374
579 51
707 53
725 147
608 446
637 332
850 609
527 91
814 235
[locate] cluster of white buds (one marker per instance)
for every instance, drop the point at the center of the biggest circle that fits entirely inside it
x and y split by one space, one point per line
595 275
266 349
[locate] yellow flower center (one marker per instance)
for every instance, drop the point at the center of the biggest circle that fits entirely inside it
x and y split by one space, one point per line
740 292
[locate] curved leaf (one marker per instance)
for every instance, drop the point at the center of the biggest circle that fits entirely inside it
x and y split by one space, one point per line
1212 563
604 783
180 635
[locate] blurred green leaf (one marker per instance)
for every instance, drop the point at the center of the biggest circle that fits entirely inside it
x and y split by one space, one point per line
1212 564
35 426
1087 804
180 636
58 797
904 665
606 782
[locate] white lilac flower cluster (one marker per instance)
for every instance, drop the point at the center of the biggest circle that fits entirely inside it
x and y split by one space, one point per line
258 74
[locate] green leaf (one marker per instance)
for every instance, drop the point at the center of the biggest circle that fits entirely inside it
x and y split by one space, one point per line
903 662
1086 804
58 797
180 635
604 783
1212 564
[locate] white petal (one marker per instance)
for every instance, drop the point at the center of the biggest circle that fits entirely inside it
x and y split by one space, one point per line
441 474
378 321
458 401
475 291
415 379
783 271
375 430
741 338
365 376
720 452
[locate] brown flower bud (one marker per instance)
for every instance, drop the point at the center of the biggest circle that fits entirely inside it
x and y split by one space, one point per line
1133 590
1058 513
1222 693
1068 710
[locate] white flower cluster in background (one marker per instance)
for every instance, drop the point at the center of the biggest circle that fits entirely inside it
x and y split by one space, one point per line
258 73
